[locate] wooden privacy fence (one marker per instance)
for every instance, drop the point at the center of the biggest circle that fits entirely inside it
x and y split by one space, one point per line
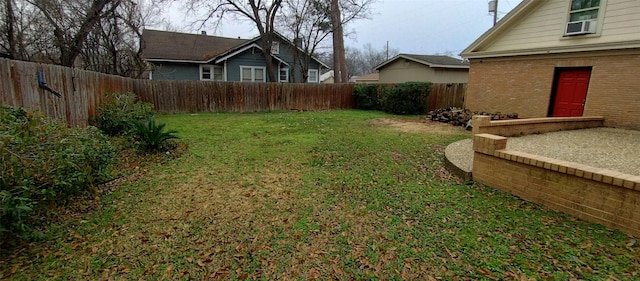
446 95
203 96
82 92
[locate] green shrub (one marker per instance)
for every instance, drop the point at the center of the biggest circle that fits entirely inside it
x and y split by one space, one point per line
118 114
44 161
367 96
406 98
151 135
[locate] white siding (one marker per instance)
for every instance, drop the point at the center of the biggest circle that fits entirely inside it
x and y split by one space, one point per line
544 27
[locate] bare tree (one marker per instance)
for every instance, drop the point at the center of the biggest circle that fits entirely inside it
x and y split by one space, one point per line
309 22
262 13
8 41
112 47
372 57
341 12
303 21
105 35
72 22
364 61
23 31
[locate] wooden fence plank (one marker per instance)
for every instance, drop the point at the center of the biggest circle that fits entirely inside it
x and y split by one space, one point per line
446 95
84 91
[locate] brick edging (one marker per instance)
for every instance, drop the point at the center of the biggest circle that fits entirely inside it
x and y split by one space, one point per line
598 195
496 146
631 182
519 127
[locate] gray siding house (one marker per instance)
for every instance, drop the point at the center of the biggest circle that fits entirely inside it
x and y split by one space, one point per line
184 56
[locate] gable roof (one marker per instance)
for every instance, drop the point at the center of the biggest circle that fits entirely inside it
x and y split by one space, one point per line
375 76
326 75
434 61
175 46
199 48
233 52
501 26
533 28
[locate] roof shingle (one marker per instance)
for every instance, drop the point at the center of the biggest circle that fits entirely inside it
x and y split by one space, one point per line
169 45
430 61
438 60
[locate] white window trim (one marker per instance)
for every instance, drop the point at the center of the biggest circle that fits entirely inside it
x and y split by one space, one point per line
599 19
224 71
287 72
202 66
317 76
253 73
212 67
275 47
584 10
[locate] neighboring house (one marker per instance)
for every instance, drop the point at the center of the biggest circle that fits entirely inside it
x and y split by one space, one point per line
560 58
423 68
327 77
367 78
183 56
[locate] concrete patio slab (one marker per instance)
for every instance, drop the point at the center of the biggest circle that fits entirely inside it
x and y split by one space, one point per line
607 148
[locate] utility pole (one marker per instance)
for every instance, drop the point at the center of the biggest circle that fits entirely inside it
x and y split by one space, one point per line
495 14
387 49
493 8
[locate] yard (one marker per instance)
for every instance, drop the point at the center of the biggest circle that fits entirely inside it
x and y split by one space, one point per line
328 195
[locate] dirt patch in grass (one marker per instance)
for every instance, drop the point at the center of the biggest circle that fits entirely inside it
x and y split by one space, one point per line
326 196
417 125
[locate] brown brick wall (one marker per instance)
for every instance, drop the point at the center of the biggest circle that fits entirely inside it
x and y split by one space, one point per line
524 84
521 127
607 197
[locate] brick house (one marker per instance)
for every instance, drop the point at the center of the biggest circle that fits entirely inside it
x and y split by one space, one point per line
560 58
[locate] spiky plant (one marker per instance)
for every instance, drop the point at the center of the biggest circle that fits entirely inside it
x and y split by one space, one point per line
152 135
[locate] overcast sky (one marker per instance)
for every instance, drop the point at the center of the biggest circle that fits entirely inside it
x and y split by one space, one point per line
411 26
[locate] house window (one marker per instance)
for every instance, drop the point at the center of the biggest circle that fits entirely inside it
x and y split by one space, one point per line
275 47
584 10
284 75
313 76
211 72
252 74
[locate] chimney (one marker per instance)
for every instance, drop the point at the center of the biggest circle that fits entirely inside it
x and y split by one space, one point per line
203 32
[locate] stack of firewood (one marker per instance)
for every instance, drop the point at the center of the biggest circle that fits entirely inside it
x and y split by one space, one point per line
460 117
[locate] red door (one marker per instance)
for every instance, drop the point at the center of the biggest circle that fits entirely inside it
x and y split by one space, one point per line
571 92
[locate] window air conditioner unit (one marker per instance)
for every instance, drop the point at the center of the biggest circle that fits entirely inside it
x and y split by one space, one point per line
581 27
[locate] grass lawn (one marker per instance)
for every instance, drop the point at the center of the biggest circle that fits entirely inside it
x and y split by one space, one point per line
328 195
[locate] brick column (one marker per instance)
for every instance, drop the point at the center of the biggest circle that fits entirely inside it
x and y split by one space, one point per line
488 144
479 121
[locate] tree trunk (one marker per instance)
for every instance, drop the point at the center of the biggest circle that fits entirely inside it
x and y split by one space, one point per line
92 18
339 60
267 38
11 36
69 45
266 31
